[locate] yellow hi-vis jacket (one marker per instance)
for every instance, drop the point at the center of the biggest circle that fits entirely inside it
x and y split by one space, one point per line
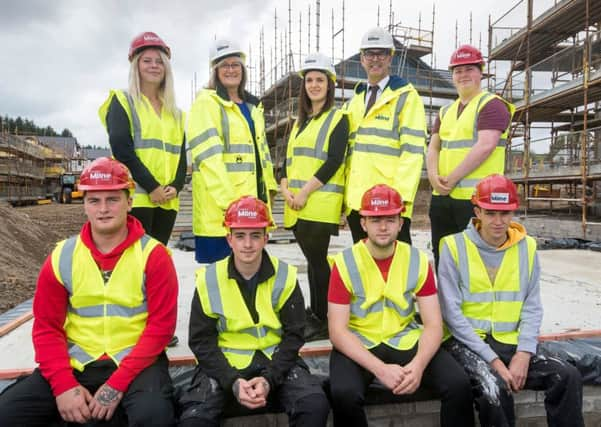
102 317
459 135
157 142
239 336
383 312
493 308
223 156
306 153
386 146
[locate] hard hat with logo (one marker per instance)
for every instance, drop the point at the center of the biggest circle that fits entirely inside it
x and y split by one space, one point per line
466 55
247 212
222 48
377 38
105 174
381 200
146 40
318 61
496 193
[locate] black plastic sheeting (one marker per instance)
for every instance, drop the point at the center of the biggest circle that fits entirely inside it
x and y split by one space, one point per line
186 242
584 353
569 244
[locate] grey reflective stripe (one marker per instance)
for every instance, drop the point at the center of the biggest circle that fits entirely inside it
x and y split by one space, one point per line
214 295
121 355
214 150
458 144
352 135
323 133
225 128
137 128
443 109
480 101
279 284
240 167
413 272
255 331
364 341
413 132
410 148
123 311
397 111
357 285
403 313
394 341
144 240
467 183
78 353
197 140
505 326
379 132
139 189
327 188
91 311
65 263
371 148
483 325
241 149
524 264
309 152
159 145
288 162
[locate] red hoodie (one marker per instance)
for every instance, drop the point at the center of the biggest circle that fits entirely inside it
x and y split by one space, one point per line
50 309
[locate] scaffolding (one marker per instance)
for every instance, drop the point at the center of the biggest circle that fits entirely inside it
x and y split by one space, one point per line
279 85
552 63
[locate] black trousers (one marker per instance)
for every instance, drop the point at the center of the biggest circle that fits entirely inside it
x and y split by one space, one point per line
560 381
157 222
147 402
301 396
443 376
354 223
314 239
447 216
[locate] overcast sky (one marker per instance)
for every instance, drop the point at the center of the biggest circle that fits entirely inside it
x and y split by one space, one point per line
58 59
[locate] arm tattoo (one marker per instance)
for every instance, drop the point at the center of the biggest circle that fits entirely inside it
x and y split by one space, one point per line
107 395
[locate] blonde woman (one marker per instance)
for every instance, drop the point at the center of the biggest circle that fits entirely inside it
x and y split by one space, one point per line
226 130
146 133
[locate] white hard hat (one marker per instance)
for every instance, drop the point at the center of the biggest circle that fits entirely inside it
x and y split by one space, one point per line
377 38
222 48
318 61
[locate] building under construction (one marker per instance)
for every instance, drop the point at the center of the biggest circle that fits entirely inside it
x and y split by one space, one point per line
549 66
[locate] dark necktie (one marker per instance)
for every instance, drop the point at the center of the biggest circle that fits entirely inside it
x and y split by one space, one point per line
372 97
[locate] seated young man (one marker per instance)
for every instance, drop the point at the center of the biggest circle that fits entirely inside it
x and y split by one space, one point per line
246 328
372 324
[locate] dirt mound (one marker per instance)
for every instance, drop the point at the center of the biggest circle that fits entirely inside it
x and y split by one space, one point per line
27 235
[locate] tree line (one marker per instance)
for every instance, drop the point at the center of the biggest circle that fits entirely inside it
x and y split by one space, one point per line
25 126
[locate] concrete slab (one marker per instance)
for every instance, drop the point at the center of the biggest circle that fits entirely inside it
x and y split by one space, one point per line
570 288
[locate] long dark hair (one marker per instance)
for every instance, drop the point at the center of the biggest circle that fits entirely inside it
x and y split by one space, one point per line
304 102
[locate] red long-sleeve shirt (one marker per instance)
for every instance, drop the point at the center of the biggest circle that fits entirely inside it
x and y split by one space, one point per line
50 309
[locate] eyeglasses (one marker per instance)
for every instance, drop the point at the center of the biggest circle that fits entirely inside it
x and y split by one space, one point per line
375 54
234 66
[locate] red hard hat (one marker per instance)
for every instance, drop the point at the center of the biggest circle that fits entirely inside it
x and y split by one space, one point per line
465 55
105 174
496 193
247 212
381 200
145 40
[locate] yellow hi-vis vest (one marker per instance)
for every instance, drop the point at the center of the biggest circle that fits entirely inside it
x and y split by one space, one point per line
458 135
102 317
157 142
306 153
386 146
239 336
383 312
223 154
493 308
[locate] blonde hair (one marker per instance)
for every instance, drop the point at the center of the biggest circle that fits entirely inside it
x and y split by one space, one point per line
214 79
166 89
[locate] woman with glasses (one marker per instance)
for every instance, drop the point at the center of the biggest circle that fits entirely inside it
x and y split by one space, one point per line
146 133
313 180
229 151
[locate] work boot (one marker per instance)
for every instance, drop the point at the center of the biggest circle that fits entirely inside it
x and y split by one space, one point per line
173 341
